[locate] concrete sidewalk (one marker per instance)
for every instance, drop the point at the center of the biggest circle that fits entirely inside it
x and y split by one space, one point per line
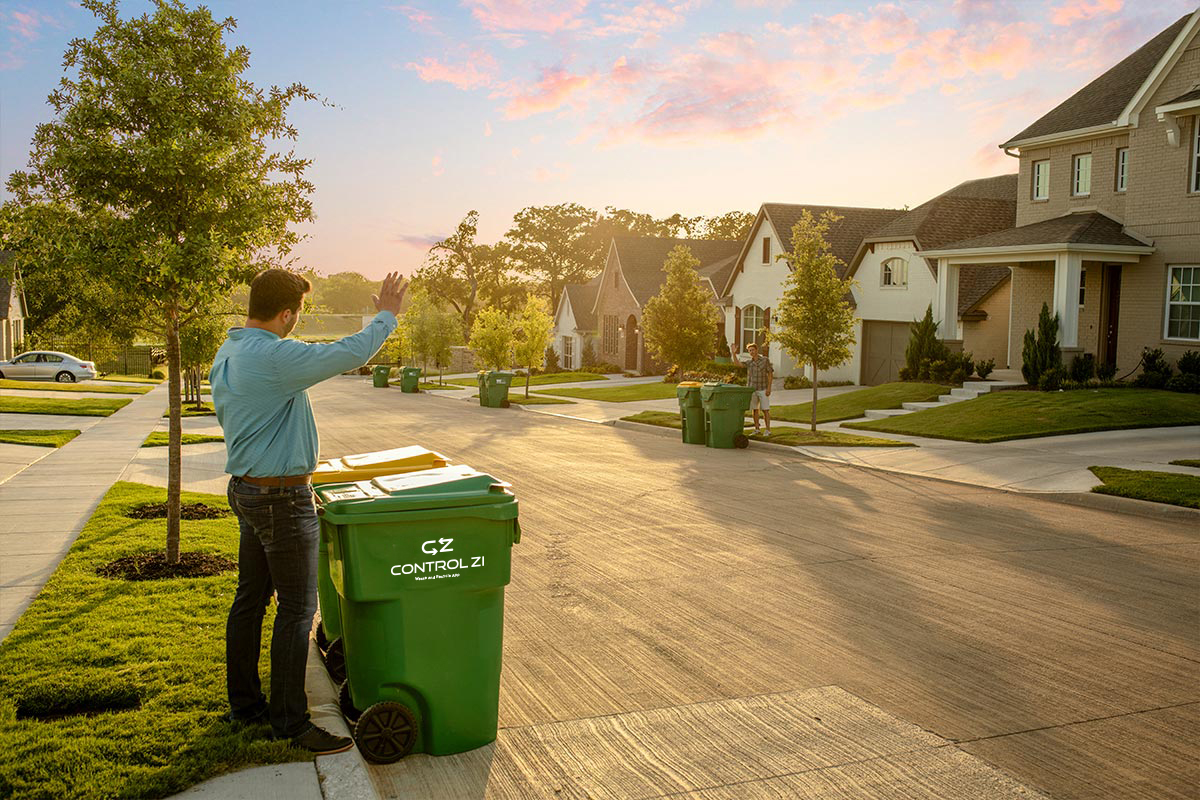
47 503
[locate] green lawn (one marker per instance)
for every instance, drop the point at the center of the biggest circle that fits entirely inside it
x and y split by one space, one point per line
190 410
618 394
1001 416
1142 484
779 434
159 439
1187 462
131 379
156 648
541 380
518 399
437 387
71 406
51 386
851 405
663 419
49 438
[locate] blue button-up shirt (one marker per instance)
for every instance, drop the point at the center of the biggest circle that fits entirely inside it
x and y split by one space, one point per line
259 384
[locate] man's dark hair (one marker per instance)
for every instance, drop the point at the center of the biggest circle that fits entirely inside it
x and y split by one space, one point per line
275 290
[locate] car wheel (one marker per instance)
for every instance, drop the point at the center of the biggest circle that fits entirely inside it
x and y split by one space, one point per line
1 375
64 377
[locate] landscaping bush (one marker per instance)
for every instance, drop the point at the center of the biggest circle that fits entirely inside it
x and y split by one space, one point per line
1040 351
924 347
802 382
1051 380
601 368
737 368
906 374
1189 363
1155 370
552 365
158 374
1105 372
984 368
939 370
958 376
1184 383
1083 368
588 357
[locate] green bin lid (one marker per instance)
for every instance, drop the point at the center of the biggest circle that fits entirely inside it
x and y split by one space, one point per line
443 487
713 388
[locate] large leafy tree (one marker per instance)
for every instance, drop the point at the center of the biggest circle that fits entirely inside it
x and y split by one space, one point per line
173 168
679 321
732 225
814 322
553 246
492 337
533 337
456 269
345 293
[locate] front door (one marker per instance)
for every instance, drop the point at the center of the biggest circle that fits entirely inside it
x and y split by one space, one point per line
1112 312
631 343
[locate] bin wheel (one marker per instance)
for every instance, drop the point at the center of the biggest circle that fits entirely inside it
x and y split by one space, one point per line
504 404
335 660
741 441
322 639
346 704
386 732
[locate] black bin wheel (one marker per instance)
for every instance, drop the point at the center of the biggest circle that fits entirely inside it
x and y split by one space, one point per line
504 404
346 704
386 732
741 442
335 660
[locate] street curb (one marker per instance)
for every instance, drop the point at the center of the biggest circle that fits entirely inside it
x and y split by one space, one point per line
1124 505
343 776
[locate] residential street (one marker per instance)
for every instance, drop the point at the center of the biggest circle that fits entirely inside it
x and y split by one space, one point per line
1058 644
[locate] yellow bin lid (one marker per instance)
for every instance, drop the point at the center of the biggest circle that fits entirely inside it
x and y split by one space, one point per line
364 466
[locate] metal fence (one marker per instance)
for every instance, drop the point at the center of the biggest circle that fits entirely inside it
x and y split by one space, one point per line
136 359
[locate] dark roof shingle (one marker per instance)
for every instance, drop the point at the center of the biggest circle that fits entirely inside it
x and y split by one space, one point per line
1186 97
1086 227
844 236
642 260
970 209
1103 100
975 282
582 297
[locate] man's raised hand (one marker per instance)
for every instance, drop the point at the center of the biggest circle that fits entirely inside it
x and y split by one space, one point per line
391 293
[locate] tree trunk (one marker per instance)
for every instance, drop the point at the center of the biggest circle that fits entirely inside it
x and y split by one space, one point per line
175 438
528 375
814 400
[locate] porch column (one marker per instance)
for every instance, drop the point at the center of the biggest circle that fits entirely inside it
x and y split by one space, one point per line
1067 267
945 306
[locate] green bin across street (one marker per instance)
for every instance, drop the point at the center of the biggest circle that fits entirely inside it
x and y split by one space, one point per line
691 412
420 562
725 407
482 381
410 379
496 386
380 375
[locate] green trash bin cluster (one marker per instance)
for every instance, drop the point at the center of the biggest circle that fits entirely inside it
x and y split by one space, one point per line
410 380
419 562
725 406
493 388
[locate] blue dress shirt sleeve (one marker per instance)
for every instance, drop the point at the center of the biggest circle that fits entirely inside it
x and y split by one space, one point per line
299 365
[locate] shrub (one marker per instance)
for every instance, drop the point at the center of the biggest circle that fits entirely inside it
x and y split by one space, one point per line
1083 368
924 347
552 365
939 371
1051 380
802 382
1184 382
588 357
1189 363
958 376
1155 370
1040 351
158 374
1105 372
906 374
737 368
984 368
601 368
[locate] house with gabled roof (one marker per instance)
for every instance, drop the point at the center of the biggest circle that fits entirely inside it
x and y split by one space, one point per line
633 273
575 323
12 308
1107 229
896 286
755 284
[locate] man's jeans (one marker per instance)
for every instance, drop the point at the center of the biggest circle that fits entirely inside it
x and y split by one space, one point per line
277 553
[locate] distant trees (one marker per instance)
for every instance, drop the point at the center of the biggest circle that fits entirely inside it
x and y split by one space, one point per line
533 337
679 321
493 334
429 331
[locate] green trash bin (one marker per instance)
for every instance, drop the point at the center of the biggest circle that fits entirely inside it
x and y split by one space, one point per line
497 384
725 407
482 379
380 374
410 379
691 411
420 562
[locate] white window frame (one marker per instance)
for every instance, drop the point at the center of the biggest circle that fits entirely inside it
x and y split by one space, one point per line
568 353
1122 169
1040 170
756 332
1078 175
1194 302
1082 285
1195 187
897 270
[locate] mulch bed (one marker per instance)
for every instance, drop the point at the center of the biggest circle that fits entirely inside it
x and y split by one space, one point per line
154 566
188 511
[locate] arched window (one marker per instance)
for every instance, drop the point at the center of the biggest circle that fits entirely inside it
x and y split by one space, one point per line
752 326
894 272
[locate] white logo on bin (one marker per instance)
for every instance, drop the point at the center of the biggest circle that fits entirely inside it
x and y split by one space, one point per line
431 547
432 570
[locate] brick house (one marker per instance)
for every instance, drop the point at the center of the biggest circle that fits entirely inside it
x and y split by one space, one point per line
633 273
1107 229
575 323
12 309
755 285
896 286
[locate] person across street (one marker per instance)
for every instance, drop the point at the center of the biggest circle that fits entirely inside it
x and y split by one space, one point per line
759 374
259 383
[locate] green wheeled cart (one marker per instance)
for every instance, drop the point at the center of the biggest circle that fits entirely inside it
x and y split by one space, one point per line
496 386
420 562
691 411
725 407
410 380
380 375
482 380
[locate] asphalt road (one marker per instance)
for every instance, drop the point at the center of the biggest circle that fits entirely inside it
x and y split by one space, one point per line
1059 644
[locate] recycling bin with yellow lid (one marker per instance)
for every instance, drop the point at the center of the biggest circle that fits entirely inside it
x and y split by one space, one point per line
691 411
420 562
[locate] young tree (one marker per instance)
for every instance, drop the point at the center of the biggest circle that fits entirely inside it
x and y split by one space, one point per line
679 321
160 140
429 330
492 338
533 337
446 333
814 322
552 245
198 345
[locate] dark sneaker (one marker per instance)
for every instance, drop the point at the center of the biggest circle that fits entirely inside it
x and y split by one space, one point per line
321 742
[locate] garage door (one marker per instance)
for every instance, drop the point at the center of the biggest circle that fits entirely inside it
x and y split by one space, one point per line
883 351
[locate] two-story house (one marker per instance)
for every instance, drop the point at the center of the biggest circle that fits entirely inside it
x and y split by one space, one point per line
1107 229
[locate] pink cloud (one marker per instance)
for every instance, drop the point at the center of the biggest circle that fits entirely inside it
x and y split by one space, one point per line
643 19
436 166
28 24
1075 10
560 171
418 18
420 241
534 16
555 88
884 28
477 71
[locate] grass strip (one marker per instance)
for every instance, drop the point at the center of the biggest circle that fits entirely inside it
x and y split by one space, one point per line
804 437
852 405
90 386
161 439
519 399
1003 416
132 379
541 380
191 410
72 407
1142 484
155 647
663 419
48 438
1187 462
618 394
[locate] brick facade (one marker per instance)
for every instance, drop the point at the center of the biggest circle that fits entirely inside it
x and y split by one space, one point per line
988 338
615 302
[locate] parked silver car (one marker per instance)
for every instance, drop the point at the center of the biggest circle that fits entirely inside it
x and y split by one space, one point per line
47 365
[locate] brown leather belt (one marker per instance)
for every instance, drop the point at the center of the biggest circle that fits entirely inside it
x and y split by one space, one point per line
280 482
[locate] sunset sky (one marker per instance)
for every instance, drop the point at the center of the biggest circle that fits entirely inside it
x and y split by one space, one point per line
688 106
